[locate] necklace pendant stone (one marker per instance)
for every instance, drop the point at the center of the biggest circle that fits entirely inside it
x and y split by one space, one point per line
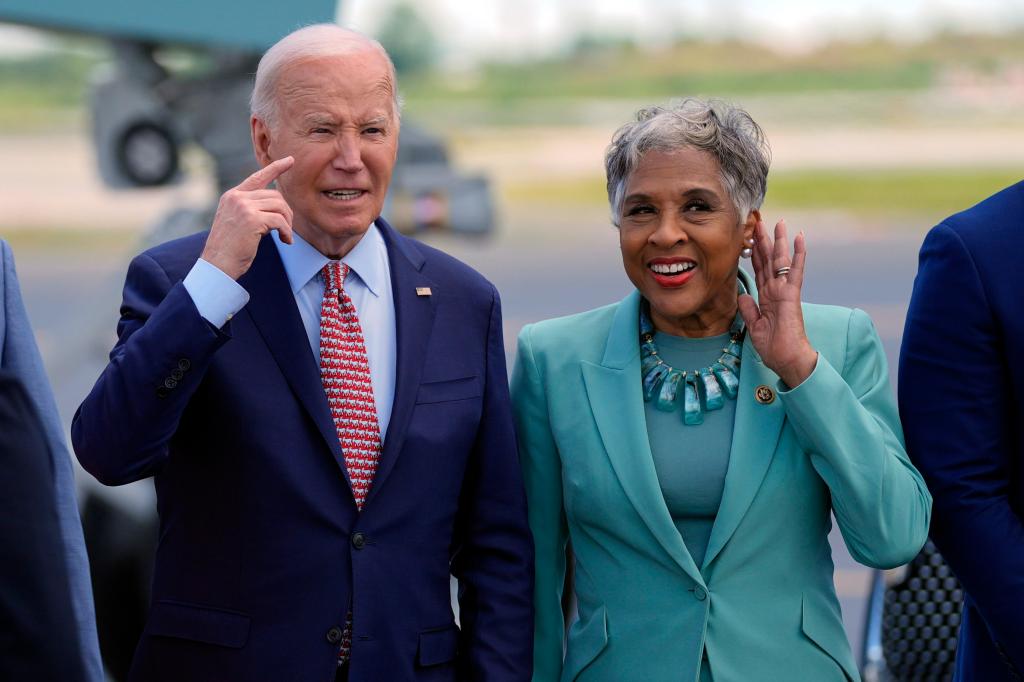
692 413
649 362
730 362
713 399
652 381
669 391
727 380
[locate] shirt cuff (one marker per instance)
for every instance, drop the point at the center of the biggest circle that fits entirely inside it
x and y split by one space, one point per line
216 296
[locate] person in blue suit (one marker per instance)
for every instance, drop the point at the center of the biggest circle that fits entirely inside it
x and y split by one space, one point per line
960 375
19 356
281 555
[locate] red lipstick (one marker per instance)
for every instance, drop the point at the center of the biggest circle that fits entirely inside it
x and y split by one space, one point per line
674 280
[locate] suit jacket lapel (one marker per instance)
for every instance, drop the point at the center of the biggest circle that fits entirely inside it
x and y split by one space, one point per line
755 435
613 389
273 310
414 320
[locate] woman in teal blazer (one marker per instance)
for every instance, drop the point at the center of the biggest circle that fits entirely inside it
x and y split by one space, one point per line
697 497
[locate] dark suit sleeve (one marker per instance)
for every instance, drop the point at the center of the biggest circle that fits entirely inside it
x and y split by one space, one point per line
953 396
122 429
493 560
38 631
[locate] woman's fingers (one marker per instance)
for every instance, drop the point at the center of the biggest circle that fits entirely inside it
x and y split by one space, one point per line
780 250
796 273
760 256
749 310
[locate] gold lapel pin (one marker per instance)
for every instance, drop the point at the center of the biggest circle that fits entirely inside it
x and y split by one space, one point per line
764 395
423 291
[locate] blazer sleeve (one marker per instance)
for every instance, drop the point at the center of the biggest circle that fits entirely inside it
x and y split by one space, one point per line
847 420
542 474
494 557
954 391
122 429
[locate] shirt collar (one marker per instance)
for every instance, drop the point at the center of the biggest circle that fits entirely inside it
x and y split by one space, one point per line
367 259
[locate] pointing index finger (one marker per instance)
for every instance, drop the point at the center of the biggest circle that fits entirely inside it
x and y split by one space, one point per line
266 175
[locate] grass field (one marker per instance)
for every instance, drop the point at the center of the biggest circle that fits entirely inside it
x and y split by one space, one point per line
931 193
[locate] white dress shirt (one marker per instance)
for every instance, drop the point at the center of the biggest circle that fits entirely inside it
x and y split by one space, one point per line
218 298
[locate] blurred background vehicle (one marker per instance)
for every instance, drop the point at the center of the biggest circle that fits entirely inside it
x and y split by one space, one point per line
884 117
181 74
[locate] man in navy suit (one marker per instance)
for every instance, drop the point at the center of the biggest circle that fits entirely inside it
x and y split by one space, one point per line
275 562
961 373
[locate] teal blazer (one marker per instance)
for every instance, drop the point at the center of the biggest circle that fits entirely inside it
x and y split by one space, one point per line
763 605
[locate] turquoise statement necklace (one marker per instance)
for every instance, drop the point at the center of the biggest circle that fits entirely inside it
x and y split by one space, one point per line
708 386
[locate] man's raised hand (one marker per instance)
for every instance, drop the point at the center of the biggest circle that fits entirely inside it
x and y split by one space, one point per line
244 214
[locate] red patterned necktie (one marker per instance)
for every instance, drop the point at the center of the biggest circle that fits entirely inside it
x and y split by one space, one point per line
345 372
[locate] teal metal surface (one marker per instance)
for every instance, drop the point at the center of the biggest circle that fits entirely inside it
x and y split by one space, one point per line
240 24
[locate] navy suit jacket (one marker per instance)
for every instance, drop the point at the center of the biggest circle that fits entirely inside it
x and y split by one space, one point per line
961 374
261 549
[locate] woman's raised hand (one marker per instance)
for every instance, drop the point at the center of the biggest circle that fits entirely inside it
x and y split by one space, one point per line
775 322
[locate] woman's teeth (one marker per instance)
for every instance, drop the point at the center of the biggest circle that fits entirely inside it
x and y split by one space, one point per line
671 268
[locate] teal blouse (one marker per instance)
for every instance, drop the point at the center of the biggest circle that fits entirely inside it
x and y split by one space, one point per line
691 461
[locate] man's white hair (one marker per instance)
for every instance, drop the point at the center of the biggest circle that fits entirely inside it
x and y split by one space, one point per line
310 42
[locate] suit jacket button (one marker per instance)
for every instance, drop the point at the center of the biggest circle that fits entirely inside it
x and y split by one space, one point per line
334 635
170 382
177 374
358 540
699 593
184 365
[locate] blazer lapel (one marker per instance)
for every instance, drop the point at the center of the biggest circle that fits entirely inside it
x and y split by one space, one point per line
414 320
755 435
616 400
273 310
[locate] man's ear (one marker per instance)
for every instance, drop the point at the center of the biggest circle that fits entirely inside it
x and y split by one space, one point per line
260 140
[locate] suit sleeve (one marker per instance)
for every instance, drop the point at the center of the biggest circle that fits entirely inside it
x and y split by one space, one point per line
122 429
542 474
493 559
848 422
954 392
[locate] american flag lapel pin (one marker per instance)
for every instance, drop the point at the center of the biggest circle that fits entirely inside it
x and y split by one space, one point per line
423 291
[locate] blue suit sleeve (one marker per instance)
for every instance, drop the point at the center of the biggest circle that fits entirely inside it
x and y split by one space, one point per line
122 429
953 395
493 560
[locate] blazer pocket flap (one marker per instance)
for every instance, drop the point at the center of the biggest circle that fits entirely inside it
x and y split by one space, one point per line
453 389
824 627
586 642
438 646
198 623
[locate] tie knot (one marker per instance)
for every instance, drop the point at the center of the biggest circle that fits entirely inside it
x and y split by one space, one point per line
334 274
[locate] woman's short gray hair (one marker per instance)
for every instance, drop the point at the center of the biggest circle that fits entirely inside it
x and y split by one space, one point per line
309 42
725 131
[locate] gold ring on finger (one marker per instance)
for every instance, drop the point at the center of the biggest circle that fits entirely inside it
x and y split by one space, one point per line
784 270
